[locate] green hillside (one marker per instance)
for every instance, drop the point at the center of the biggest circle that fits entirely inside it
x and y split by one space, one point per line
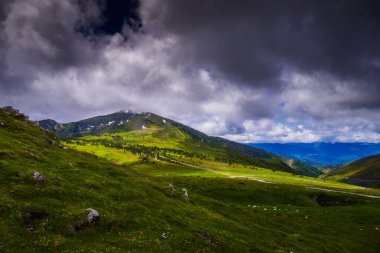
303 168
138 214
126 128
364 172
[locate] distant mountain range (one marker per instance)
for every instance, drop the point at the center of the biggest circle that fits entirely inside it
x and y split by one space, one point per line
321 154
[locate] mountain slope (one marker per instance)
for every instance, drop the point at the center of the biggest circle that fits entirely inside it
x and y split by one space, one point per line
303 168
138 214
163 132
365 172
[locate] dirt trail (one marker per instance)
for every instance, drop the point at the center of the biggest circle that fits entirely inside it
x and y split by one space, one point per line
263 181
352 193
215 171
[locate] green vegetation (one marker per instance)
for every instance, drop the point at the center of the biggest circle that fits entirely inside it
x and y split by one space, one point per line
364 172
122 129
138 214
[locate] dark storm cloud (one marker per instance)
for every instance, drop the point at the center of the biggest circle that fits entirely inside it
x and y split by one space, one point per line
47 36
252 42
247 70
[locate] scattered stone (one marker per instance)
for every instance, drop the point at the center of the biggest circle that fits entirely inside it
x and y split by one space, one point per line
2 124
15 113
185 194
93 215
209 238
38 177
171 189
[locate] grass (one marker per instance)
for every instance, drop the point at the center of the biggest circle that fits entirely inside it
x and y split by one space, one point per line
136 208
160 168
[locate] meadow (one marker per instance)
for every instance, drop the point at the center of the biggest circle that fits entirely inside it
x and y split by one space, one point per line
138 214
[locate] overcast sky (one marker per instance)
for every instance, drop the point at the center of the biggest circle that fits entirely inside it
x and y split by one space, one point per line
248 70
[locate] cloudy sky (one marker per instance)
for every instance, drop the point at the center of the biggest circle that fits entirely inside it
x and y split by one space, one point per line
248 70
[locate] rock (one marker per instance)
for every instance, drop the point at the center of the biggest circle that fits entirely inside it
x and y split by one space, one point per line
185 194
38 177
92 216
14 113
171 189
2 124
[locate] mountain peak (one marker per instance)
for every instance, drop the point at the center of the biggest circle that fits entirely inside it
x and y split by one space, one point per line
168 131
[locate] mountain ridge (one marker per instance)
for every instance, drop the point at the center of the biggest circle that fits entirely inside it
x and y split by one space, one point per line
121 122
363 172
322 154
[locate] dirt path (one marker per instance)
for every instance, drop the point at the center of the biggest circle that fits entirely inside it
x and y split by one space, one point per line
352 193
215 171
263 181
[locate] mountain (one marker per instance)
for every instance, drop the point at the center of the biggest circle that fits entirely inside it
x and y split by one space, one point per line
364 172
138 213
321 154
303 168
165 133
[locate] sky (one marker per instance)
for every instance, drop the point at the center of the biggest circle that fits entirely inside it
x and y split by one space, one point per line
248 70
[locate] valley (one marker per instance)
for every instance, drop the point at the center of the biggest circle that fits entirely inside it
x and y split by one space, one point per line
232 206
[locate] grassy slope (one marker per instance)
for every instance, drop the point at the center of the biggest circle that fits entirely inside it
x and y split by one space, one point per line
365 171
135 208
164 133
171 137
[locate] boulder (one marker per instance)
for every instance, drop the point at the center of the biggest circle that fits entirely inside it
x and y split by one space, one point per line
92 215
38 177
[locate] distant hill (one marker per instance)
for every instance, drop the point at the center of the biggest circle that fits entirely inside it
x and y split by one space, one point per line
167 133
321 154
303 168
364 172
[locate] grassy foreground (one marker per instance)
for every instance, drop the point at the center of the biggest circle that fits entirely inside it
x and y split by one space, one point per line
139 215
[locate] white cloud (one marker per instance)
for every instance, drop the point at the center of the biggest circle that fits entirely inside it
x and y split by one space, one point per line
61 79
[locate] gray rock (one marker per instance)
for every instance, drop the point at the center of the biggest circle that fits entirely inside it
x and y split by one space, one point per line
92 215
38 177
